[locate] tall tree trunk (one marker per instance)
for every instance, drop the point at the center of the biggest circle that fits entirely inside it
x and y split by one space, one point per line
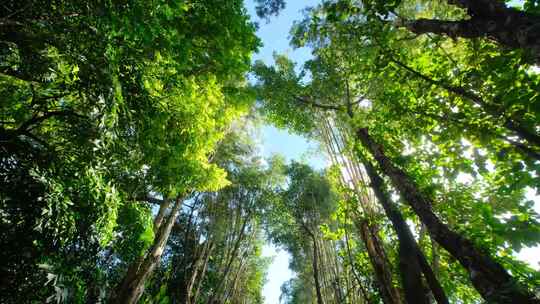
233 290
213 299
363 291
316 275
488 277
315 264
376 253
163 207
181 288
196 273
412 260
381 265
132 286
337 273
196 293
183 265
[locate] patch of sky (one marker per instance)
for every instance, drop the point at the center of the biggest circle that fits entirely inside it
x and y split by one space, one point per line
275 38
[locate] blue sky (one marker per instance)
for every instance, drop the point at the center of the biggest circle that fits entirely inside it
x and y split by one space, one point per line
293 147
275 37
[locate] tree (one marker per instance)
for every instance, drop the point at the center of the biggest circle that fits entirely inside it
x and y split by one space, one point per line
468 257
485 19
267 8
129 174
103 111
412 261
214 252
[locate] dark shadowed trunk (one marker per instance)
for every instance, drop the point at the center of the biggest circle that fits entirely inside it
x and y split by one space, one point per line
488 277
233 255
368 234
315 264
197 288
132 286
412 261
198 270
381 265
316 272
491 19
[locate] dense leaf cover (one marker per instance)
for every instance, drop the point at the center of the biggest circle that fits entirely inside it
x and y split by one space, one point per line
130 170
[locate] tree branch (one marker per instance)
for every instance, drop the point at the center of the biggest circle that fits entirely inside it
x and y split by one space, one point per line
318 105
39 119
494 111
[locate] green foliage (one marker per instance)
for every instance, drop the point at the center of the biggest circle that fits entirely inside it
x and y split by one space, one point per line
102 104
135 225
109 107
278 86
442 108
267 8
225 225
532 6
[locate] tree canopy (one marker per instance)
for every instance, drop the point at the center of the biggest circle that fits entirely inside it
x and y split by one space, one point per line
131 172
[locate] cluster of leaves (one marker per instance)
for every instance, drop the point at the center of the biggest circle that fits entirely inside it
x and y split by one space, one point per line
267 8
444 109
103 104
217 240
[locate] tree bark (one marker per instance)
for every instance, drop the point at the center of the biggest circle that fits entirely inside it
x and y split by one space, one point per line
196 293
196 273
381 265
232 256
316 275
161 214
376 253
353 268
412 260
491 19
132 286
488 277
337 273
